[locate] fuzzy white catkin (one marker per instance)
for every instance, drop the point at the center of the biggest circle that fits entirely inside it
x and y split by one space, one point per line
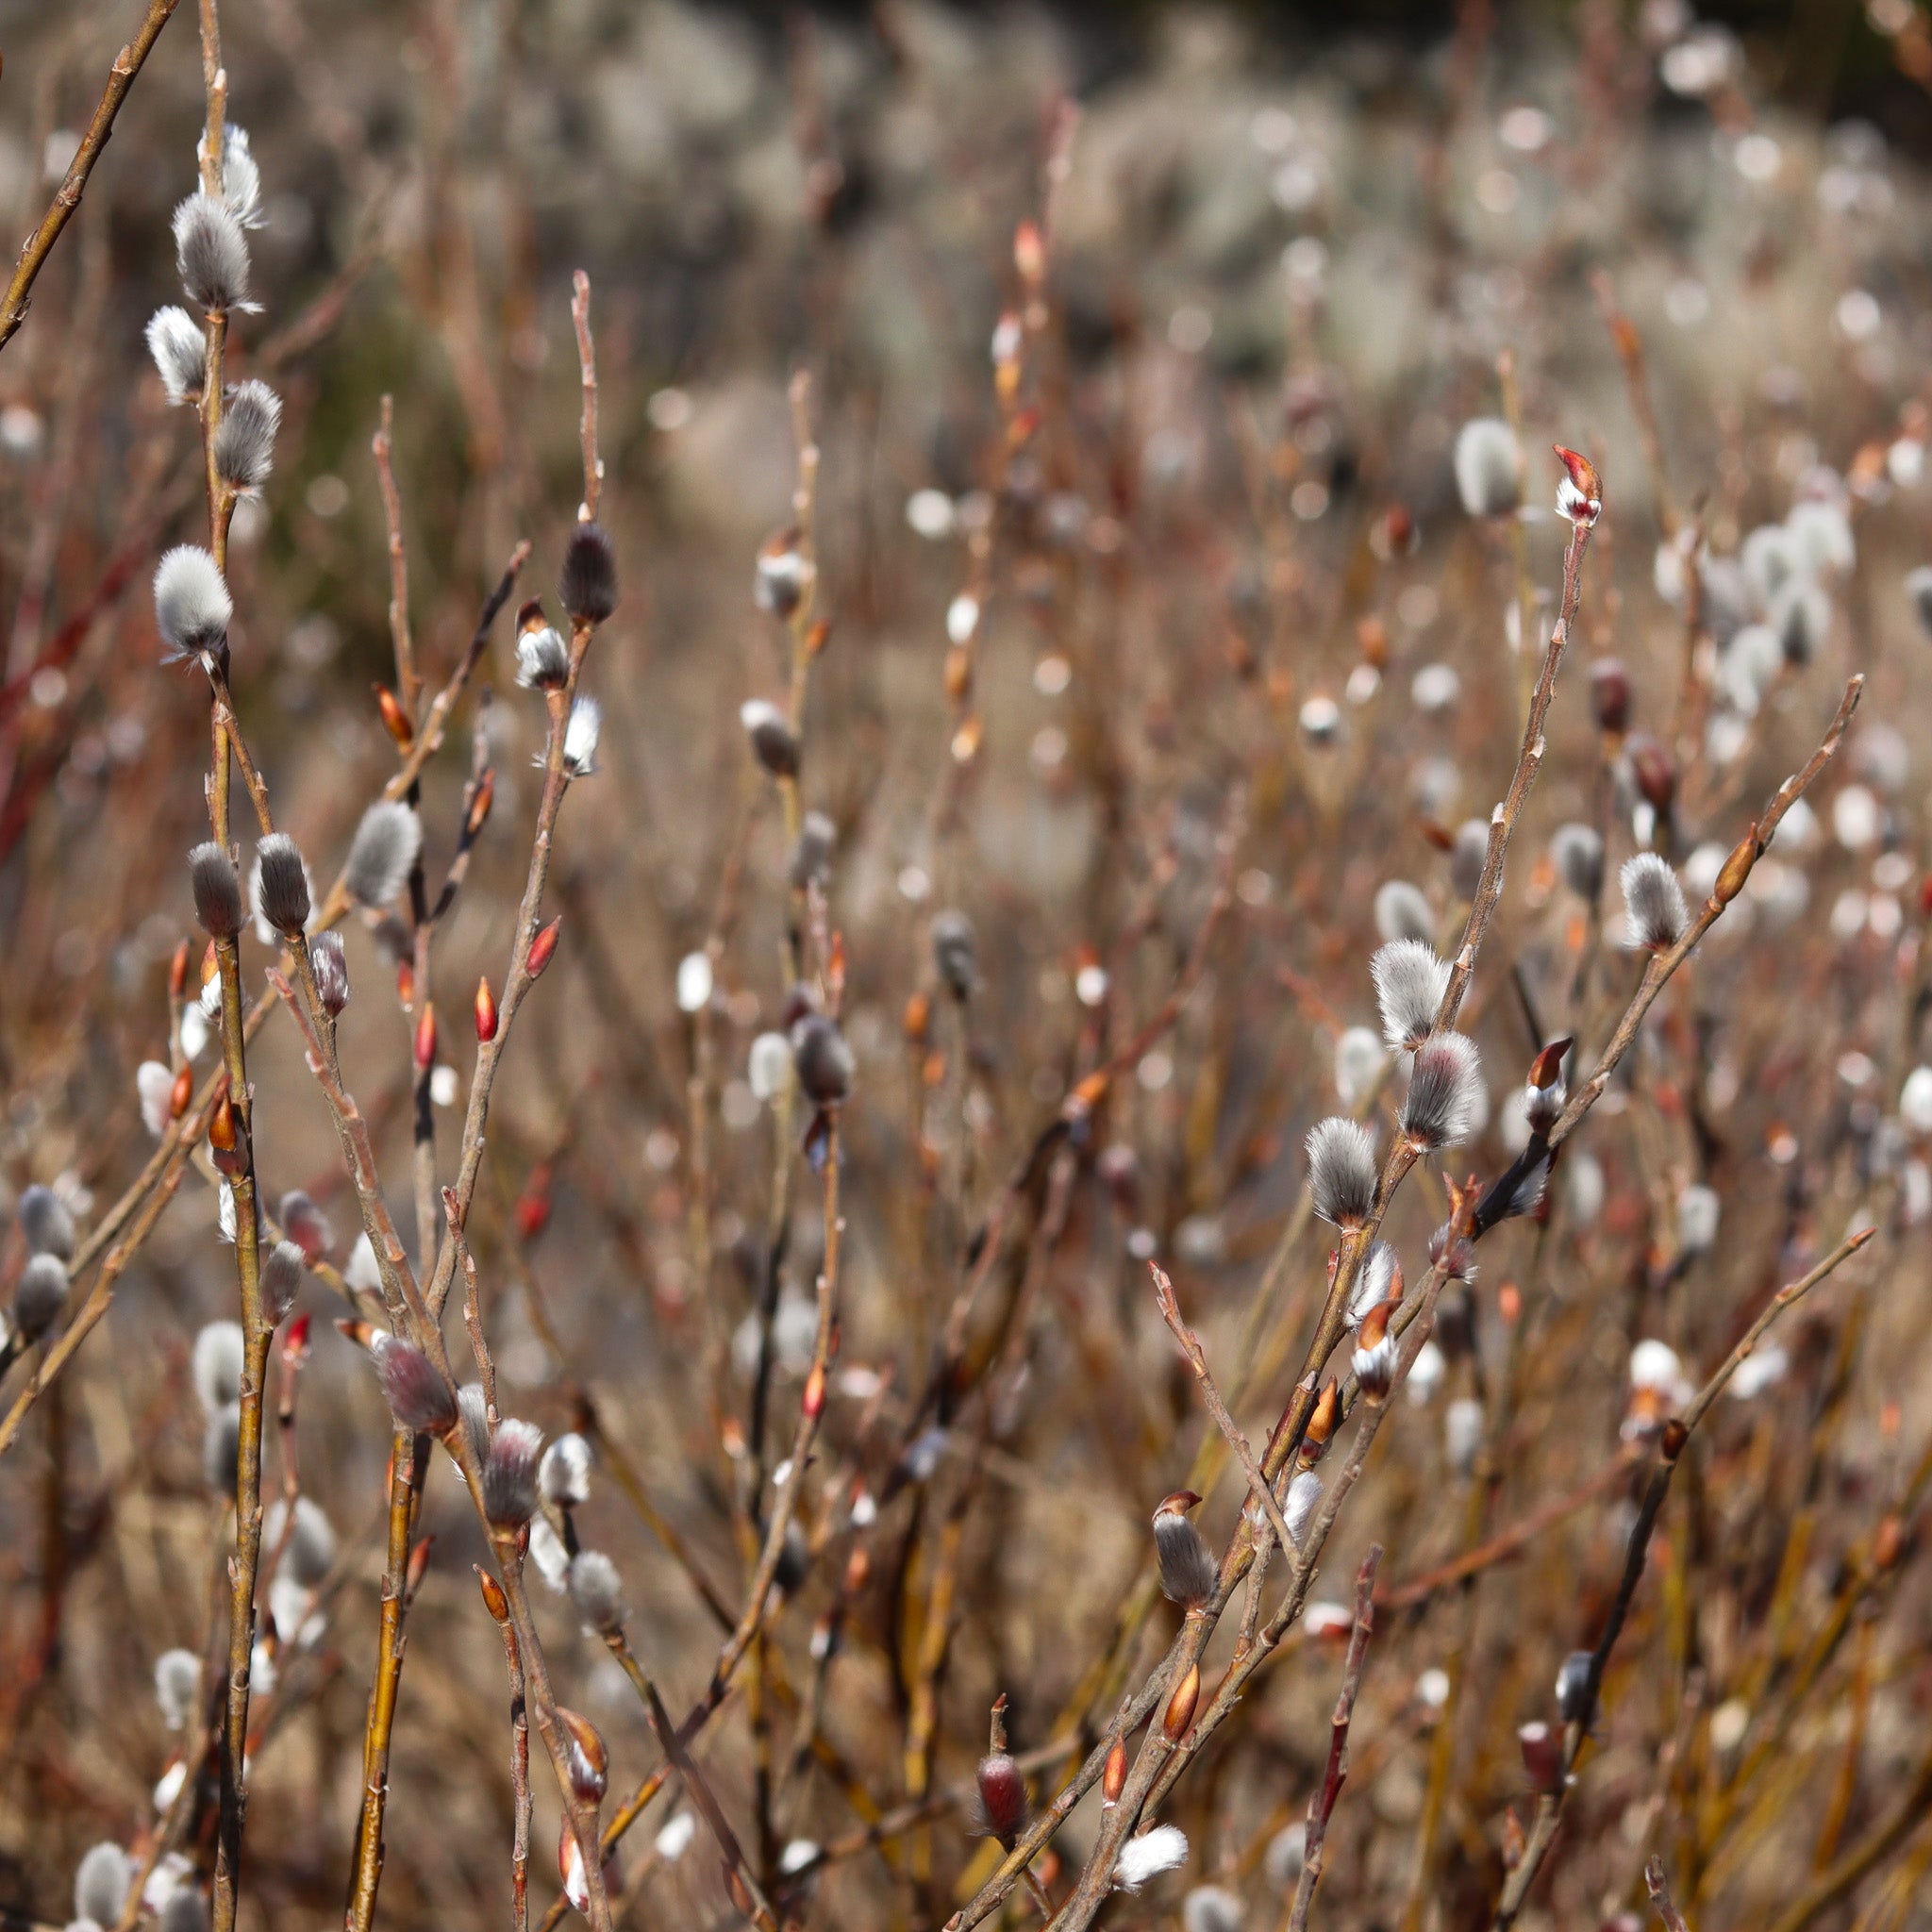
769 1067
217 1366
363 1273
212 253
178 1679
1358 1057
1211 1909
383 852
311 1549
155 1087
180 352
1409 984
100 1884
1401 912
580 736
1341 1170
47 1222
596 1590
1655 914
1445 1103
192 608
1163 1849
563 1477
1489 467
241 177
1698 1211
244 438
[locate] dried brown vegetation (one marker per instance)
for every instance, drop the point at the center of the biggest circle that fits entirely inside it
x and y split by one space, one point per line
927 802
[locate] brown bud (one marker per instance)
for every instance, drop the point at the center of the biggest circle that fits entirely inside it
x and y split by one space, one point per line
181 1093
1735 869
418 1562
493 1599
1180 1706
1547 1068
543 946
1114 1779
395 720
485 1010
740 1893
177 972
1654 772
1610 695
1887 1542
918 1018
589 1764
858 1570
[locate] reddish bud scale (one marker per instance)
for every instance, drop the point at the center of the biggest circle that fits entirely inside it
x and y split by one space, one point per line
1180 1706
405 986
1548 1065
419 1563
815 1392
533 1205
544 946
1542 1756
1002 1797
395 720
426 1037
177 972
858 1570
486 1012
1113 1780
181 1093
295 1341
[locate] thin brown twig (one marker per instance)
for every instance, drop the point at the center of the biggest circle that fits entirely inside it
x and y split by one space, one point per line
40 245
1321 1805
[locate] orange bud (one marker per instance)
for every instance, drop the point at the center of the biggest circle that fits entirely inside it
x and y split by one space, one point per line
1029 252
418 1562
493 1599
485 1010
406 985
818 637
425 1035
543 946
814 1402
480 802
177 972
1320 1427
181 1093
1180 1706
959 673
1114 1779
395 720
223 1138
858 1570
1887 1542
918 1017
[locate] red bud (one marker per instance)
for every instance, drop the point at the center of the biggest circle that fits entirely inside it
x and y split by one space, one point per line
486 1012
425 1035
543 946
